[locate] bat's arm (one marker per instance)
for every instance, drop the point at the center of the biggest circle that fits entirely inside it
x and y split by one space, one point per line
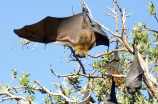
68 39
93 40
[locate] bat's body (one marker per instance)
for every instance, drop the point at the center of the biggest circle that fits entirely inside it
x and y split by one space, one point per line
75 31
90 99
115 67
134 75
118 80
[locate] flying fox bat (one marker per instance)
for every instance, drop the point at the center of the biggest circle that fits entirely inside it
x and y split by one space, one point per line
76 31
89 99
114 67
112 98
134 75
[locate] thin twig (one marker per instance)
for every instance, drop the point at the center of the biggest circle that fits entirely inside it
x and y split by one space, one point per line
1 84
123 49
18 98
74 75
156 17
90 14
55 94
83 69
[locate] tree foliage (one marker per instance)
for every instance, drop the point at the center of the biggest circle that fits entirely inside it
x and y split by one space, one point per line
72 90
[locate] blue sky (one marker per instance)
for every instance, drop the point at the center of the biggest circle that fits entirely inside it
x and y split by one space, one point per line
16 14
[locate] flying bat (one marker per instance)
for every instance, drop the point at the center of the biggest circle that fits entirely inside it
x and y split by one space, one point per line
114 67
76 31
134 75
112 98
89 99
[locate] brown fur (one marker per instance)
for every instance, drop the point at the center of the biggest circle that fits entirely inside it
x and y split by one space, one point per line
82 48
118 80
85 41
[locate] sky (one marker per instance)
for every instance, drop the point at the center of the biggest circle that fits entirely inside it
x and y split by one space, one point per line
17 13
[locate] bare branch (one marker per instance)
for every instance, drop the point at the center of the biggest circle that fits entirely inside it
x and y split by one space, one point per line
17 98
115 17
150 87
50 97
67 60
107 14
145 68
148 29
156 17
25 42
55 94
73 52
1 84
34 46
10 98
74 75
90 14
123 49
118 7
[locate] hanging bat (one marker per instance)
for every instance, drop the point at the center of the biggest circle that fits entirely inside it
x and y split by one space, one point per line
134 75
112 98
114 67
76 31
90 99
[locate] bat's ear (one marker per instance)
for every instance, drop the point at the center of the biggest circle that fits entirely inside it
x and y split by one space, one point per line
135 43
84 10
116 53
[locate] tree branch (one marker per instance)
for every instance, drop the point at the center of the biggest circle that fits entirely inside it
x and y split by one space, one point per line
55 94
74 75
17 98
150 87
73 52
83 3
116 50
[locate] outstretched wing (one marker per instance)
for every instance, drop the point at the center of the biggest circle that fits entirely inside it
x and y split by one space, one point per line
63 31
53 30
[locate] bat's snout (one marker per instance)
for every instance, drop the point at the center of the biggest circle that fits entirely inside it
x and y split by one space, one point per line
80 54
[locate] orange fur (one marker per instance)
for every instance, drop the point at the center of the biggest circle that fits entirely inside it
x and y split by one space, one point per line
118 80
82 48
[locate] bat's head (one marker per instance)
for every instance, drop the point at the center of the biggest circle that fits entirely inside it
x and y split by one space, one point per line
85 41
81 50
132 91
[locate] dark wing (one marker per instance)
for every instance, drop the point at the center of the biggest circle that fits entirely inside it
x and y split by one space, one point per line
112 98
90 99
101 36
135 74
115 65
62 30
53 30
